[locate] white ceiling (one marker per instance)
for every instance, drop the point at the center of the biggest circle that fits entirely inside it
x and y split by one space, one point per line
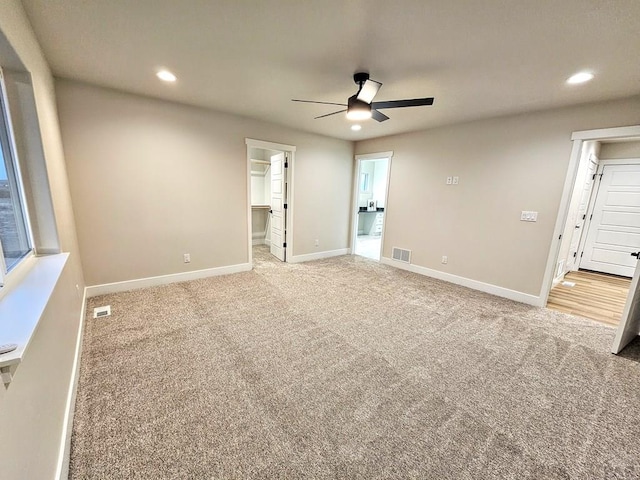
251 57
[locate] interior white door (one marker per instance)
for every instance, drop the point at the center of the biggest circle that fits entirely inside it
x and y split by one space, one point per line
581 215
629 326
614 230
278 212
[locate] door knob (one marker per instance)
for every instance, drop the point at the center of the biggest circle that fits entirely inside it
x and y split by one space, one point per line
635 254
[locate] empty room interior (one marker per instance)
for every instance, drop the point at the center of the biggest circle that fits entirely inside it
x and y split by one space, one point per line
334 239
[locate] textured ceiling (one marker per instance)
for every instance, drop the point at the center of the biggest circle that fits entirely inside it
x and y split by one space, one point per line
251 57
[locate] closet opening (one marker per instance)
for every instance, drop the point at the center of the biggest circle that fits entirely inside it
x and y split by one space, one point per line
269 173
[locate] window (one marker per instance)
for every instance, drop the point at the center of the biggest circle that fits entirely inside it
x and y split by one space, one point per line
15 235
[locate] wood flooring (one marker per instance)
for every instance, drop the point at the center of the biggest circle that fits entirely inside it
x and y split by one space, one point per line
595 295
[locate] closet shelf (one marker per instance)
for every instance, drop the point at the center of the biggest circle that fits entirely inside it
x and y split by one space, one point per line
261 206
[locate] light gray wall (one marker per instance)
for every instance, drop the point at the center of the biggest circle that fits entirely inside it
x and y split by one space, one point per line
610 151
32 408
505 165
151 180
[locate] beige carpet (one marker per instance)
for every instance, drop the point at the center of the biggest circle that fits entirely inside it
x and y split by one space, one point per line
344 368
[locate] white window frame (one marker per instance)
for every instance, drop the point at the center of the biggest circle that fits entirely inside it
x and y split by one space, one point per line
17 192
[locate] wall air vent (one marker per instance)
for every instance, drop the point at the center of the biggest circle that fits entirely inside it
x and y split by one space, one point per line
401 255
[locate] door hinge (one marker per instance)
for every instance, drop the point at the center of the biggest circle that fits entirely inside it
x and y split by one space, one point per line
581 254
286 164
285 206
591 217
284 245
584 216
575 254
594 176
560 237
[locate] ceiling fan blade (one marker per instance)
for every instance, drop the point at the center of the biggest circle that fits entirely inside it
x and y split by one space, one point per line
329 114
416 102
321 103
368 91
379 116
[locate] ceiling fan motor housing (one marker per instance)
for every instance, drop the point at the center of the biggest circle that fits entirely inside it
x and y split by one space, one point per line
360 77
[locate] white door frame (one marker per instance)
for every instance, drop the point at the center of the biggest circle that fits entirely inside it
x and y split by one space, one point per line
356 194
289 151
578 139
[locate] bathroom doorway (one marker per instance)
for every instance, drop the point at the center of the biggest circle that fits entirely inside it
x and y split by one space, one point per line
371 198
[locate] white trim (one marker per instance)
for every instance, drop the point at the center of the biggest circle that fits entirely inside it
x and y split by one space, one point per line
619 161
115 287
374 156
62 471
607 133
269 145
466 282
319 255
249 209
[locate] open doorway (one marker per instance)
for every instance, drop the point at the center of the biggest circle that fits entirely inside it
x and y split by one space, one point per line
595 265
597 243
370 201
269 173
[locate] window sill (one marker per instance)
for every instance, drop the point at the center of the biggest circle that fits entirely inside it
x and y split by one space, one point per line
22 306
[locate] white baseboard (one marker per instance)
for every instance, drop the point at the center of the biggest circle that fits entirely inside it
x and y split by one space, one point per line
319 255
62 470
467 282
115 287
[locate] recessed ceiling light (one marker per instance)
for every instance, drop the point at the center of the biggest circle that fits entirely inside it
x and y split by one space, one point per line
166 76
580 77
355 128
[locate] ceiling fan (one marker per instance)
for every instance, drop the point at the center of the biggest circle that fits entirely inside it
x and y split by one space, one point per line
361 105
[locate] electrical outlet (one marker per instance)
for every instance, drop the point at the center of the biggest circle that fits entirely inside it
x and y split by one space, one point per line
526 216
456 180
187 258
445 259
317 242
449 180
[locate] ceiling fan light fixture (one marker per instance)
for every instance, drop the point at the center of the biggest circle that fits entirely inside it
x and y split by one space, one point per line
357 109
358 114
356 127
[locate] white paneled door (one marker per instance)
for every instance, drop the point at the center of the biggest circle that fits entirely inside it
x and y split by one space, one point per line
581 215
614 230
278 211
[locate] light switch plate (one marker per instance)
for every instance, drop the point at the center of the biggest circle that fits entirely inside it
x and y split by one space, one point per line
528 216
456 180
